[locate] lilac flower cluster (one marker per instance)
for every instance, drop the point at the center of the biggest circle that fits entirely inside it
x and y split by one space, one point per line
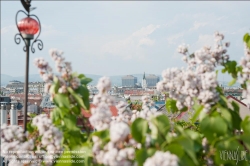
66 78
14 146
245 75
162 159
198 80
120 150
18 147
101 115
113 153
51 137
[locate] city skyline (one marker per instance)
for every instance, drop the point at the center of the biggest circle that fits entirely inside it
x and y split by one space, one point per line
118 38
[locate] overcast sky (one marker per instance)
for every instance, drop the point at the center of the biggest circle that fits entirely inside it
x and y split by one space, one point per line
118 38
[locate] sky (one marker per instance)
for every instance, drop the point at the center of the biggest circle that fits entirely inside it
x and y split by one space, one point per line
120 38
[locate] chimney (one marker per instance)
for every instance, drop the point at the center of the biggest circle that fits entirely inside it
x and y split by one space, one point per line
13 114
4 118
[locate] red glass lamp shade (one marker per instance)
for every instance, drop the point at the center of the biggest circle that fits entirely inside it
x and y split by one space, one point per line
28 26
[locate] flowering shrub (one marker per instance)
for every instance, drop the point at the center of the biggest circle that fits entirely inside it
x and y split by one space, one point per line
145 136
42 143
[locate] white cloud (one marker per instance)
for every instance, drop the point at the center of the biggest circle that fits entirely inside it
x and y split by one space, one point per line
146 41
145 31
240 31
9 29
203 40
174 39
221 18
130 47
48 30
198 25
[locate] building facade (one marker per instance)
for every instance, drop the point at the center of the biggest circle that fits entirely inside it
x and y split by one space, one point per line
152 80
36 87
129 81
15 86
18 87
237 93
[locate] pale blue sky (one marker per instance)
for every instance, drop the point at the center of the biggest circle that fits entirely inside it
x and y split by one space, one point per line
118 38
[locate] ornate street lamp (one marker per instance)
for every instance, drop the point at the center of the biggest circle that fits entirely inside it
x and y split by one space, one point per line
27 28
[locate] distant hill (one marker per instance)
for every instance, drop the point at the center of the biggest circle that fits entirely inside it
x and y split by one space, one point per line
6 78
116 80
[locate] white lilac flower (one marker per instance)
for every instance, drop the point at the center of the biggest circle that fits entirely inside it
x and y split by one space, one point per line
198 79
62 89
101 117
119 131
183 49
245 75
162 159
75 82
104 85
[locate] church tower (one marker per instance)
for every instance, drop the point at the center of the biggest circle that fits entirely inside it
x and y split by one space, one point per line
144 81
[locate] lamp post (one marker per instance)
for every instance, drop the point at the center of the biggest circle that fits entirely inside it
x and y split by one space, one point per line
27 28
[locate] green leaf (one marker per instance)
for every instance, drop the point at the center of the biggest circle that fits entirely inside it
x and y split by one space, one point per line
213 127
227 116
88 161
232 66
76 110
236 119
248 44
30 127
65 159
162 124
87 104
83 91
176 149
141 156
227 145
52 89
151 151
224 70
55 114
81 76
62 100
246 38
81 153
55 86
232 82
235 106
245 125
73 138
193 135
85 80
171 105
139 129
223 101
188 147
245 138
103 134
70 122
197 108
77 97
